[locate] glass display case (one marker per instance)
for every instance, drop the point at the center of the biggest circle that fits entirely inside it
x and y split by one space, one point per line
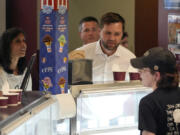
101 109
39 117
107 109
43 123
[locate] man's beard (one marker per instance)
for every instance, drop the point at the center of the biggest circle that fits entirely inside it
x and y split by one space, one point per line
109 48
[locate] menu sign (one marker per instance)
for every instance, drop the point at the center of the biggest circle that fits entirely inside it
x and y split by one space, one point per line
172 4
54 46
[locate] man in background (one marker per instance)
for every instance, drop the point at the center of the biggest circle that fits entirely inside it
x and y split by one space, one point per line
89 30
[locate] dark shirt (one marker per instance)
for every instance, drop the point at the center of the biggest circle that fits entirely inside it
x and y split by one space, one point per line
156 112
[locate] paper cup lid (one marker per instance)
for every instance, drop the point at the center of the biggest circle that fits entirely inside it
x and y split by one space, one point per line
3 98
10 94
15 90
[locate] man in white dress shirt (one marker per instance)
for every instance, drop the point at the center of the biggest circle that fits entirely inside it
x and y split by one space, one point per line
107 53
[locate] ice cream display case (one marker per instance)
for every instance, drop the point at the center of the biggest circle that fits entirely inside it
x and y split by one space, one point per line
110 108
37 115
101 109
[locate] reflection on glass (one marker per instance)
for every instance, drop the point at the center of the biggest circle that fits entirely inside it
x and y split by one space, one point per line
62 128
45 122
108 111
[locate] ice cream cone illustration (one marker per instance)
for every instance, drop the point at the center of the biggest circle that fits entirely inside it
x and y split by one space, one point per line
47 83
61 84
62 20
48 41
65 59
62 41
43 60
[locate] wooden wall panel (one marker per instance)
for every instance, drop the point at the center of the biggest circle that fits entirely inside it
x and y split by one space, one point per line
146 28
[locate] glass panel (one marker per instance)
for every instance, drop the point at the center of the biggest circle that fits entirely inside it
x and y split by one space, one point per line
59 127
19 131
108 110
41 123
63 127
45 122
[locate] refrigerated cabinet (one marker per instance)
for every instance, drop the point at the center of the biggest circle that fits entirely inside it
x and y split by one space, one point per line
37 115
107 109
102 109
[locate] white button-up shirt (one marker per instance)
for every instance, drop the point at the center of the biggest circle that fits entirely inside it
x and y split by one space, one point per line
103 65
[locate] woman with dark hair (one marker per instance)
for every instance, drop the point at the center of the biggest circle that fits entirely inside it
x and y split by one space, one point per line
157 111
12 59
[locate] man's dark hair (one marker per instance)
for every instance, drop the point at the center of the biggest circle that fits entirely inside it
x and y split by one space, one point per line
112 17
125 34
87 19
5 50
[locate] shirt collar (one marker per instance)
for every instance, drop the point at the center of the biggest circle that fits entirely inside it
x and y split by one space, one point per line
118 51
98 48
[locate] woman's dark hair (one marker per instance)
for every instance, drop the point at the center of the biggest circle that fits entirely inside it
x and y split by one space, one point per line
5 50
168 80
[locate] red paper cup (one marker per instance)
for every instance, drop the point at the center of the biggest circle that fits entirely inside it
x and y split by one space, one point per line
177 56
134 76
3 102
12 98
19 91
119 76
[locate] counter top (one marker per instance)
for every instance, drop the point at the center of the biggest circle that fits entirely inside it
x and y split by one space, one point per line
76 89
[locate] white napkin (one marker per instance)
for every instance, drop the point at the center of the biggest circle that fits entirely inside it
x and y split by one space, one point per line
67 106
